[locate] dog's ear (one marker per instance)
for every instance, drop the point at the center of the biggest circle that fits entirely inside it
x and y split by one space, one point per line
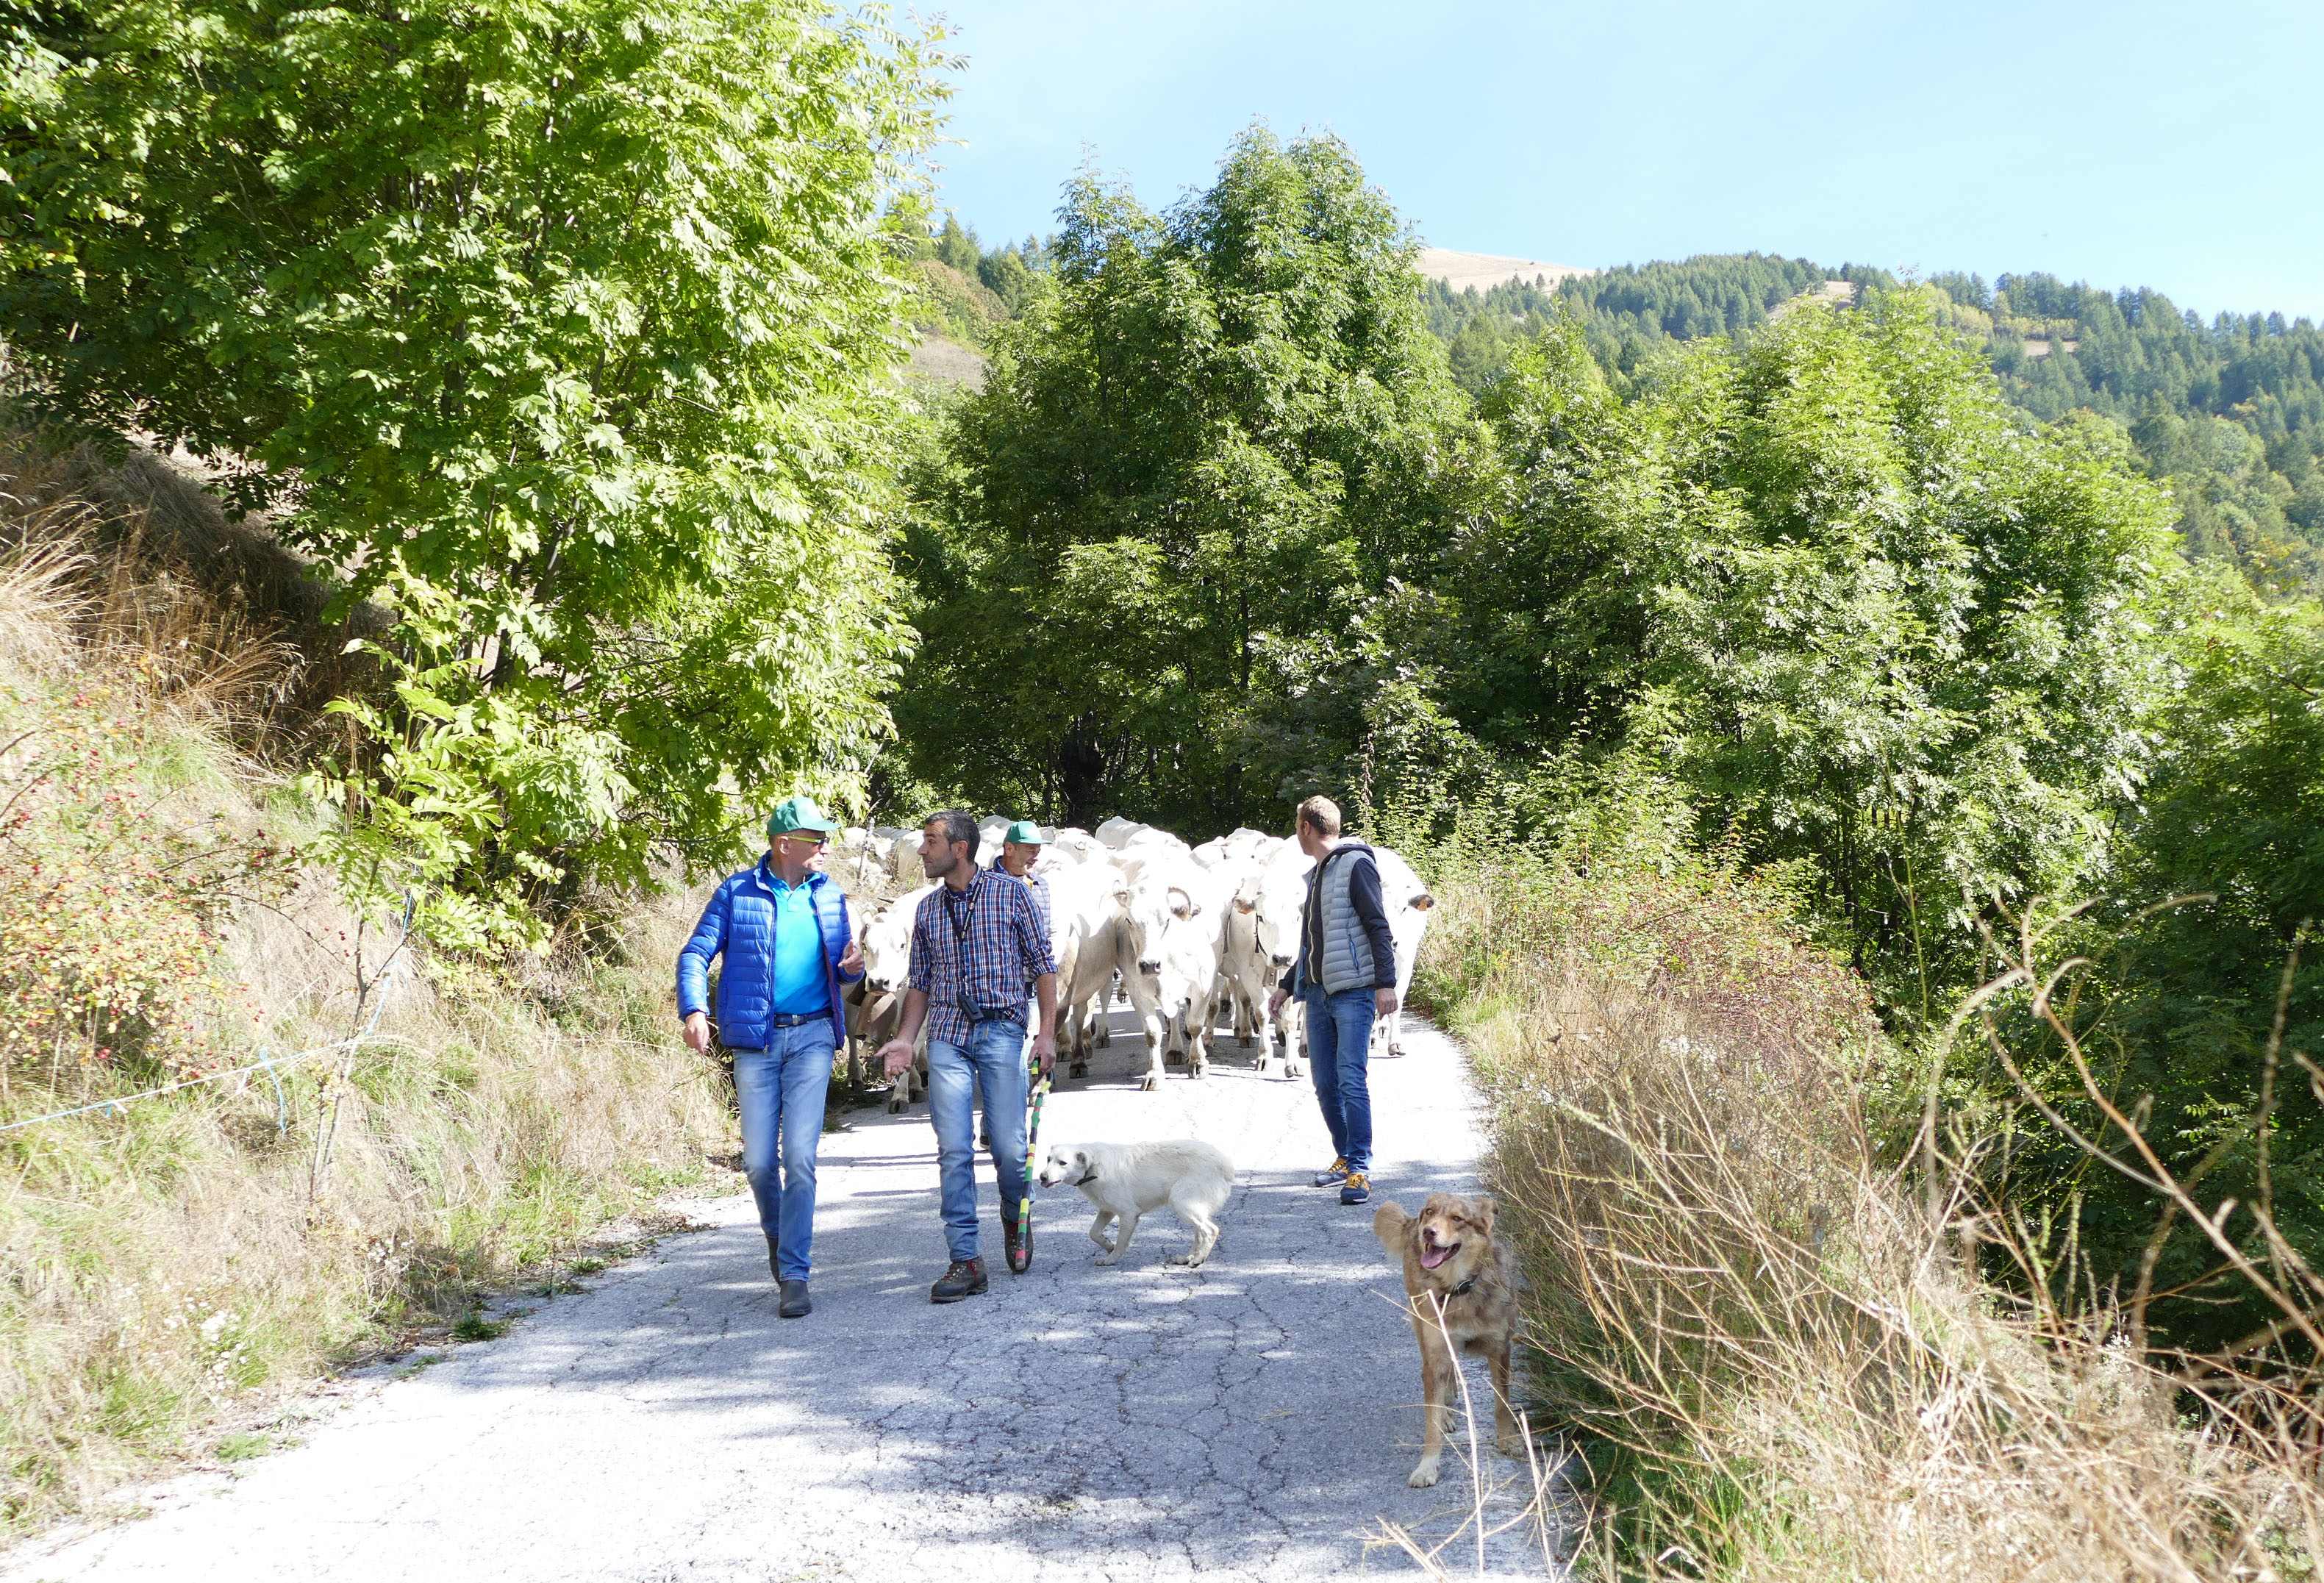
1483 1211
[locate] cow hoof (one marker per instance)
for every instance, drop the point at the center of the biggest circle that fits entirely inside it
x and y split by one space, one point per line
1149 1083
1078 1069
1199 1072
1174 1059
898 1106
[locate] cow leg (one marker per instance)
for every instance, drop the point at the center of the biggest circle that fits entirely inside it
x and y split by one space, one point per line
1295 1020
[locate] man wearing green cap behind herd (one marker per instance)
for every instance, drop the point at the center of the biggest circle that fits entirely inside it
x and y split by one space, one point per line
789 944
1020 849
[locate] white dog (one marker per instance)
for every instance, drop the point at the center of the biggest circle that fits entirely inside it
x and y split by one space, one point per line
1126 1181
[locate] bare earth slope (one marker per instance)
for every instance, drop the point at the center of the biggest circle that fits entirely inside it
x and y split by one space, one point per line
1252 1419
1484 270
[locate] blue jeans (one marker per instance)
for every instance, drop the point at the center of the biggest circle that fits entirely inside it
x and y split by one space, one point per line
780 1090
994 1061
1339 1045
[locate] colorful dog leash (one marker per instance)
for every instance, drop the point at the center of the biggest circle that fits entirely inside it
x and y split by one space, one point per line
1022 1259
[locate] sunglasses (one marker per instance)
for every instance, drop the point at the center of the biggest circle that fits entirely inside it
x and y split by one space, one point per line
815 836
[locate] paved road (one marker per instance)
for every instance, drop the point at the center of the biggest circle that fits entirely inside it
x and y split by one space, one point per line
1254 1418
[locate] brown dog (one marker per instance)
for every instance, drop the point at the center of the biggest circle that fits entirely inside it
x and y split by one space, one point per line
1457 1283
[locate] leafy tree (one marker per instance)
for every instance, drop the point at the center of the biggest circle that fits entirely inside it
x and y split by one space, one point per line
956 246
1870 626
1174 516
554 329
2234 813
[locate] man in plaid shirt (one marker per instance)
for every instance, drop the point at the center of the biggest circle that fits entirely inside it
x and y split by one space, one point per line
980 950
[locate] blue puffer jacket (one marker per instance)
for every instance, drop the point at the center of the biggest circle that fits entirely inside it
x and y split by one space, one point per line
740 921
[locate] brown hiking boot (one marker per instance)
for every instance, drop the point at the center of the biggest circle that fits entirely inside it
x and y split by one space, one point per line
965 1278
1019 1248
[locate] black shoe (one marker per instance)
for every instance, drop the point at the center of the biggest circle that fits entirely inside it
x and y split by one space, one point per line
1020 1252
796 1302
774 1254
965 1278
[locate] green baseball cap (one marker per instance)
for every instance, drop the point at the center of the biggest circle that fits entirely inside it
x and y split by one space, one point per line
1027 832
796 814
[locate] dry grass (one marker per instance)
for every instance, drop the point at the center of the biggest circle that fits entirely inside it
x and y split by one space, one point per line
1774 1346
165 1267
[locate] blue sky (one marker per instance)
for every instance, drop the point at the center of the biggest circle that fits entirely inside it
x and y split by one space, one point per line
2178 145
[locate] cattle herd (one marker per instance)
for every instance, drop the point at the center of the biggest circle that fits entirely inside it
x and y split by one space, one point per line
1189 937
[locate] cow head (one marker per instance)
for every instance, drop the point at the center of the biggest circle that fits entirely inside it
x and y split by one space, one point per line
1276 904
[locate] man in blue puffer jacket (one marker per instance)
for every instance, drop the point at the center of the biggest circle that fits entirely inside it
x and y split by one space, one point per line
789 945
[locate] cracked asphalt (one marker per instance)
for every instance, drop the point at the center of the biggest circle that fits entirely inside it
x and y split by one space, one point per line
1254 1418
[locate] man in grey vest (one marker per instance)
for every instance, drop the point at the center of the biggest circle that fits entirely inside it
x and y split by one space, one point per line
1345 976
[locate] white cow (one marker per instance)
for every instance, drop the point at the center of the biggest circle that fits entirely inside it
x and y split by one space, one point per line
988 839
1167 949
1279 900
1083 906
1246 974
887 969
1407 904
1069 845
904 860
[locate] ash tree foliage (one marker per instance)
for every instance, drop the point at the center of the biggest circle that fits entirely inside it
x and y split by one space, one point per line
1157 550
1863 623
556 328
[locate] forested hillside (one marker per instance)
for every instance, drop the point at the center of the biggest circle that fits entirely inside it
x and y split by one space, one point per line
2230 412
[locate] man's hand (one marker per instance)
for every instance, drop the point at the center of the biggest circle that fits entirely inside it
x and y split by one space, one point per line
1277 1001
1045 1051
1383 1002
851 961
698 1033
896 1055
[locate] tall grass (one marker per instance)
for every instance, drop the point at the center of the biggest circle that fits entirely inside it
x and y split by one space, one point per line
165 1265
1772 1338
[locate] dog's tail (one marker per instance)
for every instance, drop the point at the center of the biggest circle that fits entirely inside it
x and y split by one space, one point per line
1391 1225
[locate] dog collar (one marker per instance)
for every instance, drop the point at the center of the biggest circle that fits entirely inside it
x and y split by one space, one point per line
1462 1289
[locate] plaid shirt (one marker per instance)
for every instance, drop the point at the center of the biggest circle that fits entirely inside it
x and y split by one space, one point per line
986 944
1040 889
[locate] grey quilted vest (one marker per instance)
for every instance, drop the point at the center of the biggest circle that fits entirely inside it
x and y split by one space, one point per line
1347 950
